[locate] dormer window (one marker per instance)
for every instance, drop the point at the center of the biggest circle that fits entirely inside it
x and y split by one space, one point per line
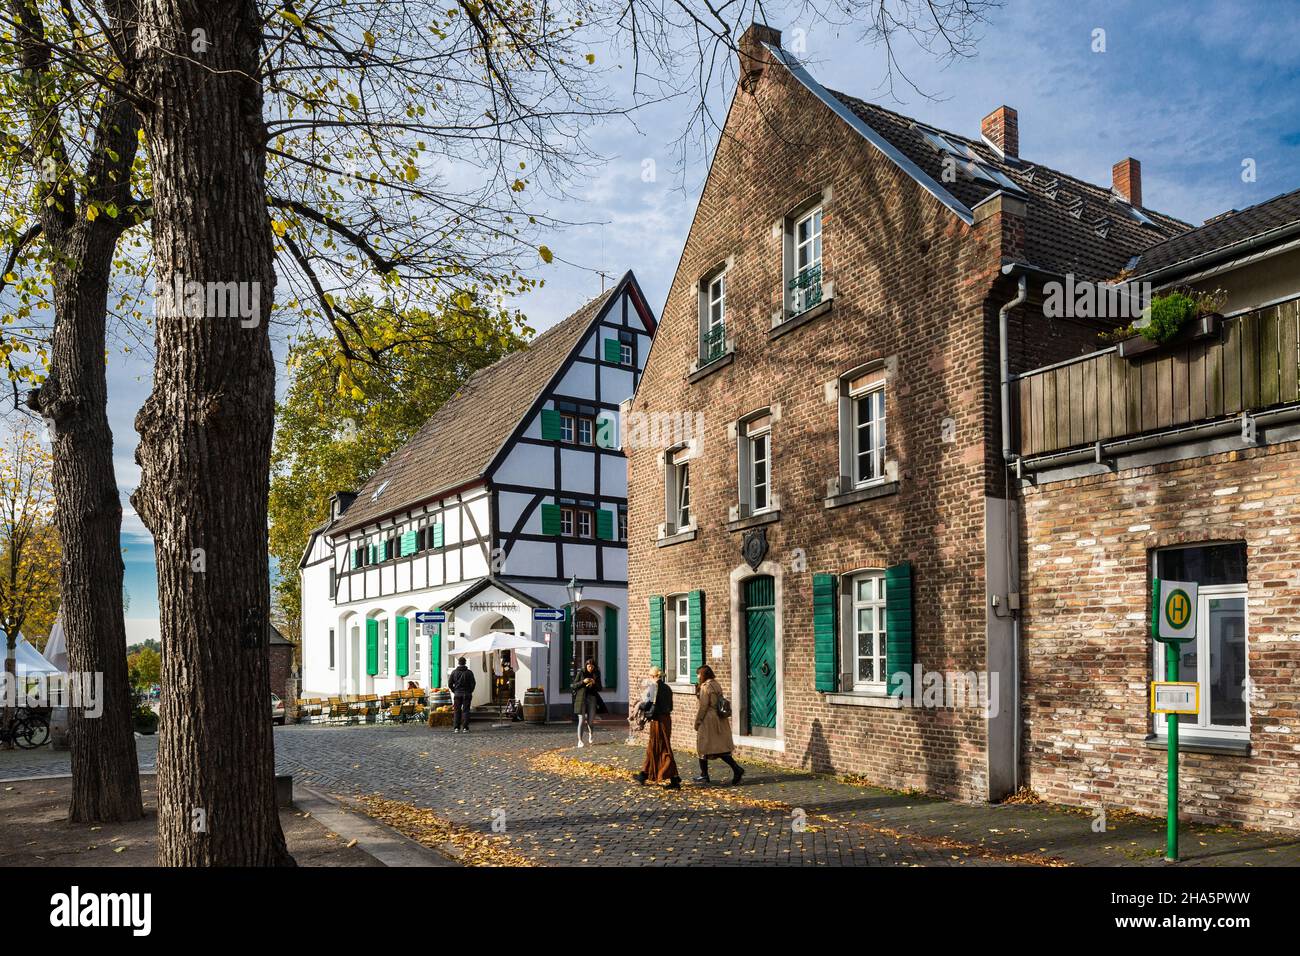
380 490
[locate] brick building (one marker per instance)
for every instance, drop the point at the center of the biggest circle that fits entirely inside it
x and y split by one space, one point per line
1182 463
834 523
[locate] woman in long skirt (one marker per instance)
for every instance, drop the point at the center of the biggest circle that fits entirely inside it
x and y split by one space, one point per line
657 706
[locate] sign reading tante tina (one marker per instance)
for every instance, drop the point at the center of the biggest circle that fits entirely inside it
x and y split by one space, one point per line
1175 610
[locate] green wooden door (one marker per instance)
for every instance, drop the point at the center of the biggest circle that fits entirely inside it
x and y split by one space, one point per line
760 652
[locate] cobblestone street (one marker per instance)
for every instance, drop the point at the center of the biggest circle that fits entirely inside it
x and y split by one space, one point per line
561 805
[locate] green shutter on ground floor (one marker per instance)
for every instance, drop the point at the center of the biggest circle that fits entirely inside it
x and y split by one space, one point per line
435 655
825 641
898 625
551 430
695 631
372 647
403 646
656 631
611 648
550 519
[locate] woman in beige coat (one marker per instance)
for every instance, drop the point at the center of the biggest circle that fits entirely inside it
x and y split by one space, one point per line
712 730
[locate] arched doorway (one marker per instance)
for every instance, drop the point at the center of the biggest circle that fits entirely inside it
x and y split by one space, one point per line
586 641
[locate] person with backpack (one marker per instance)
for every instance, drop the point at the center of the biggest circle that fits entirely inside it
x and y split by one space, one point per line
461 684
657 707
713 727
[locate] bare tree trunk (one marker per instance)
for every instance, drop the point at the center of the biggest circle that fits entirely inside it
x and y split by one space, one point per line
206 434
88 514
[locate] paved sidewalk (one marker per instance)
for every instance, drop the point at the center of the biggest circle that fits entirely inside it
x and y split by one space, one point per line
531 792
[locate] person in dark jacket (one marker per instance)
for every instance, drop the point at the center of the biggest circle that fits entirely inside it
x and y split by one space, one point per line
657 705
461 684
586 698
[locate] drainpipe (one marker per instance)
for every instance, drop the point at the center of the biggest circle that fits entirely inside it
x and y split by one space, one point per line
1008 455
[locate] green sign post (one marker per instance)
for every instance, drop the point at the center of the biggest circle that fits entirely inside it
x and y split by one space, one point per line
1173 622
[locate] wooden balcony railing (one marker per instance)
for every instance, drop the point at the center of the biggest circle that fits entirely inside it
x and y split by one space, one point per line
1252 364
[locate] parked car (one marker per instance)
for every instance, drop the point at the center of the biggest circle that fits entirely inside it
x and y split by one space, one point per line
277 709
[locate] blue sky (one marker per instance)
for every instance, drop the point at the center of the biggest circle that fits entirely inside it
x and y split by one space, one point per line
1190 89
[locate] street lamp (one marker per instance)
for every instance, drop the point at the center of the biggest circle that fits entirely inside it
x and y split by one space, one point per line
575 590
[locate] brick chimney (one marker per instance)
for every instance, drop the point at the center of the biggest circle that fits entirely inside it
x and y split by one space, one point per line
1002 129
1126 178
752 55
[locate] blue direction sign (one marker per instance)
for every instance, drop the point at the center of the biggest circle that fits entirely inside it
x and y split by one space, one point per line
430 617
548 614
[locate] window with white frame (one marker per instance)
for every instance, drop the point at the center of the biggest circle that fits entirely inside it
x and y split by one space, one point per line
383 647
625 353
586 428
584 523
567 428
415 659
678 489
1217 658
755 465
864 638
804 280
677 655
863 428
713 317
622 524
566 522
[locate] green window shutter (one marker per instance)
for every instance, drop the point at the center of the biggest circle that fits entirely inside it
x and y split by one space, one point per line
372 647
437 535
550 425
566 649
355 554
374 554
605 524
695 622
550 519
408 544
898 625
825 644
613 352
403 646
611 648
435 655
656 631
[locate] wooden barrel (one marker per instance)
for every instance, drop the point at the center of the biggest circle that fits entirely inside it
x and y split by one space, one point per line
535 705
439 698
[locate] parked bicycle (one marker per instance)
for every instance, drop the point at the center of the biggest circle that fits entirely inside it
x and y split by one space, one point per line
29 729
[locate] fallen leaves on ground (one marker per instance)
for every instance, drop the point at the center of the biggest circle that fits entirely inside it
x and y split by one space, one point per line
557 762
427 828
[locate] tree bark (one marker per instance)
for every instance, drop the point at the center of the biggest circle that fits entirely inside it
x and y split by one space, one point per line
206 434
88 514
74 400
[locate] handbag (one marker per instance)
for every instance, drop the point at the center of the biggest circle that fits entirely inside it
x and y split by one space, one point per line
723 707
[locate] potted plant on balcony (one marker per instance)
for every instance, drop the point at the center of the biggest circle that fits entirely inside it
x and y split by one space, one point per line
1173 319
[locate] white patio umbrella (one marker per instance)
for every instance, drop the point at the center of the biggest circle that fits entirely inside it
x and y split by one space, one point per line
56 648
494 641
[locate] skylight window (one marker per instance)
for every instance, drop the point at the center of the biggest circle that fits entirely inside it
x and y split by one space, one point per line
380 490
1134 213
974 165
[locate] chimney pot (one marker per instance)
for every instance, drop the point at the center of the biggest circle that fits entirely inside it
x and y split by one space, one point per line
1002 129
1126 180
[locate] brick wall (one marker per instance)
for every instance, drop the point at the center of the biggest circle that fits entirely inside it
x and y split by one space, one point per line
1088 653
910 280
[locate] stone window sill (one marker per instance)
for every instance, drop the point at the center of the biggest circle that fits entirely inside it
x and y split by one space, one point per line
753 521
678 537
865 700
867 493
775 744
1201 745
803 318
704 371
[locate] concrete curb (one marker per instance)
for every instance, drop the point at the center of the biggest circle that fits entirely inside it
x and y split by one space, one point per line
382 842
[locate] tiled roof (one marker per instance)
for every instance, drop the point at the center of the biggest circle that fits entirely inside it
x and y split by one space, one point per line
458 443
1061 235
1223 234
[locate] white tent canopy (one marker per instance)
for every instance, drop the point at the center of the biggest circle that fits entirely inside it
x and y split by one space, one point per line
56 648
28 661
